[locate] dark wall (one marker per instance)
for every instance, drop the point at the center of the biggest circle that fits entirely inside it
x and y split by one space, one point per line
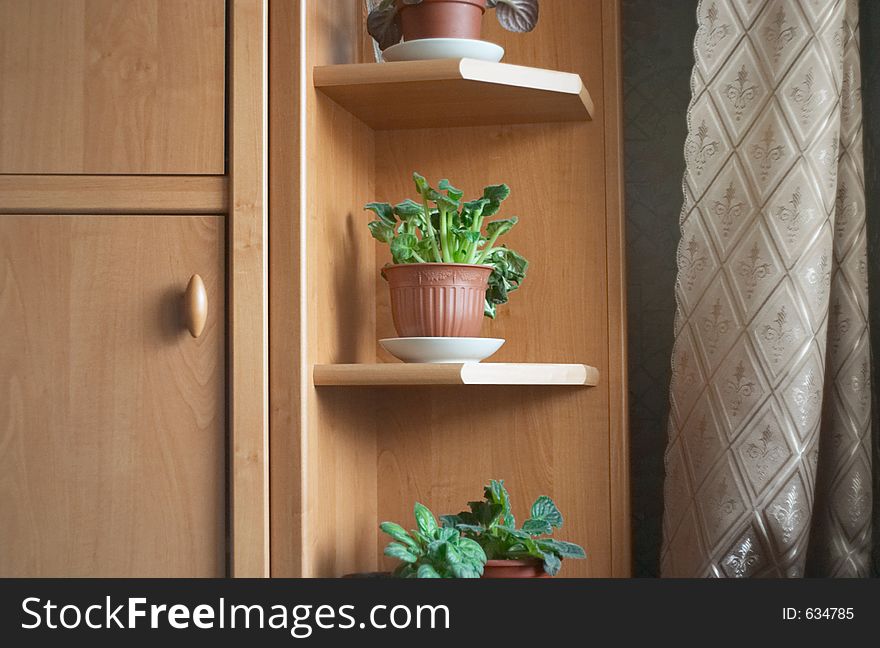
658 38
658 56
870 42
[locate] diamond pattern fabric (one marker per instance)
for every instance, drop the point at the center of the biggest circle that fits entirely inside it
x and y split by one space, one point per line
768 463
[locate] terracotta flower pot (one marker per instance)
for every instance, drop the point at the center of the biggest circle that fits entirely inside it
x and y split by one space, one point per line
437 299
442 19
532 568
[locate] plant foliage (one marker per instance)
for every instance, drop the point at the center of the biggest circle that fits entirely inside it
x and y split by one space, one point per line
490 523
443 228
432 551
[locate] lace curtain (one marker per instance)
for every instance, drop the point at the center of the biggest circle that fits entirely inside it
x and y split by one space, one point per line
768 463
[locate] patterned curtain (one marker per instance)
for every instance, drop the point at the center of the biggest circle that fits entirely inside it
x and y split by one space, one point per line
768 464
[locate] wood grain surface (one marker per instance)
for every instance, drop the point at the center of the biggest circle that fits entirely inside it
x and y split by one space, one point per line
454 92
112 418
108 194
112 86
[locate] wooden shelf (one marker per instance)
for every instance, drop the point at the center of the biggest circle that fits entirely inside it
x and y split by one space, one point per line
453 92
484 373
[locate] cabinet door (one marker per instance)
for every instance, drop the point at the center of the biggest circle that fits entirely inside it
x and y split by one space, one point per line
112 86
112 423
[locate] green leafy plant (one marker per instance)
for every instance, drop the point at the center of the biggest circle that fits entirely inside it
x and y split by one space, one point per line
383 21
490 522
442 228
432 551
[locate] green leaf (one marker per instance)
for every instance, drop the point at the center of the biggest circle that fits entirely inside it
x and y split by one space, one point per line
498 493
466 570
404 570
514 532
420 537
501 226
445 203
452 192
545 509
384 211
508 272
515 264
450 521
562 549
537 526
422 185
519 549
472 550
475 206
470 528
495 194
445 551
425 519
427 571
409 210
466 234
381 231
402 247
425 250
485 513
552 564
397 550
398 533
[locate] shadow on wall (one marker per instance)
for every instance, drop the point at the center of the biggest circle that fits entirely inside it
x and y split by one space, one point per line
869 18
658 38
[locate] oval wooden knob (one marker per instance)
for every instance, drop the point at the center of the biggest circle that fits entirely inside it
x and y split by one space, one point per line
195 306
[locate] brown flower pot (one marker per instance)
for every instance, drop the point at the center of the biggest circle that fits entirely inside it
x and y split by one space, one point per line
532 568
437 299
442 19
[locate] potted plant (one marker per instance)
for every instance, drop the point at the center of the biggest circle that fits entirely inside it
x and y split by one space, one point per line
390 20
448 269
513 552
432 551
483 541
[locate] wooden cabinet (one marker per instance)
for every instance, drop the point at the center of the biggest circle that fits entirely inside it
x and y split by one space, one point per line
112 86
112 417
127 446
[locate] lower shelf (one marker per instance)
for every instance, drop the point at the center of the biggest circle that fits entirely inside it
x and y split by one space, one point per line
483 373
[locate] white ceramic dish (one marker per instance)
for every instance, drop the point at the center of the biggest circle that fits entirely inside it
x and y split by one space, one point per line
443 48
441 350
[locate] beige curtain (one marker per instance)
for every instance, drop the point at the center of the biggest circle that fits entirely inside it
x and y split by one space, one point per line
768 464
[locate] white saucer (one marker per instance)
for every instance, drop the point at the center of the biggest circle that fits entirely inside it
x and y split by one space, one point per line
443 48
441 350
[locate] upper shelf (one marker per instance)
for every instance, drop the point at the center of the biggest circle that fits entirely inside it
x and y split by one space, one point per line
471 373
453 92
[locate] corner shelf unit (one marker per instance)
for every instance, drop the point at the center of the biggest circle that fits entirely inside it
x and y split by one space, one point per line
352 444
453 92
472 373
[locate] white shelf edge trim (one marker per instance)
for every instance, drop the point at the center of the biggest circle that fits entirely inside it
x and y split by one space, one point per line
520 75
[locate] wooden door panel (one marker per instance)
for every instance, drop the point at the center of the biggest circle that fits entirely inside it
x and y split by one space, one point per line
112 86
112 441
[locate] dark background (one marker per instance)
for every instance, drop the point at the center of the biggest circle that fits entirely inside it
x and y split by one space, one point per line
658 56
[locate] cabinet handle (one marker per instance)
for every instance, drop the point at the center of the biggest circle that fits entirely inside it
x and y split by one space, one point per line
195 306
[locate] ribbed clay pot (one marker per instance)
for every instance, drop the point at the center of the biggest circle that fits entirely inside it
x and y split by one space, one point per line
437 299
442 19
514 569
